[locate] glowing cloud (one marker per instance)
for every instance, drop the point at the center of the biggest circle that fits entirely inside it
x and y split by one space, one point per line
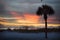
28 18
31 18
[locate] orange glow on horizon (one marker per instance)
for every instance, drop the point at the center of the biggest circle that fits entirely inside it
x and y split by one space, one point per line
27 20
35 25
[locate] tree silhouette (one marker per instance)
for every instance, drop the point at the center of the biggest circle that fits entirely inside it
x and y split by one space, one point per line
45 10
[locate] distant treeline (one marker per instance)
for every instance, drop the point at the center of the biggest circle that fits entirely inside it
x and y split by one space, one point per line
38 30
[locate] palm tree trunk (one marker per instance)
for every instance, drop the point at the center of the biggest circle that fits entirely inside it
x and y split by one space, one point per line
45 18
46 28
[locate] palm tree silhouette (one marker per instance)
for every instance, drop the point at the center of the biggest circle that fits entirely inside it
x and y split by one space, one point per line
45 10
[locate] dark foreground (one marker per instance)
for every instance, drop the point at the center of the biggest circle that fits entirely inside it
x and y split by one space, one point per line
11 35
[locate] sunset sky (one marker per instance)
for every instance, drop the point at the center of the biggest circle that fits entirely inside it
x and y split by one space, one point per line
23 12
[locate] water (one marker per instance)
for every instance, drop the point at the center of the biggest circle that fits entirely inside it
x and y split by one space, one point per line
9 35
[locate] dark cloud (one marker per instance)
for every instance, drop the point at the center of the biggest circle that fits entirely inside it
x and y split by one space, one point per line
2 9
3 12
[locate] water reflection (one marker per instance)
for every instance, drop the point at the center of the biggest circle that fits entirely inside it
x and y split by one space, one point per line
9 35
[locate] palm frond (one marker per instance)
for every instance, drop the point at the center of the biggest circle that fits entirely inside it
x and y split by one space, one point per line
39 11
48 9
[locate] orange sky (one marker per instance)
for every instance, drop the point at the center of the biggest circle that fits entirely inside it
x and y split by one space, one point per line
27 20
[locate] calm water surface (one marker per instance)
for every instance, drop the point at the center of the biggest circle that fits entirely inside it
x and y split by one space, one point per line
9 35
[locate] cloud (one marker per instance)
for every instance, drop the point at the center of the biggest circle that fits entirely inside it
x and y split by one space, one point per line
53 20
2 8
23 1
28 18
2 19
29 7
